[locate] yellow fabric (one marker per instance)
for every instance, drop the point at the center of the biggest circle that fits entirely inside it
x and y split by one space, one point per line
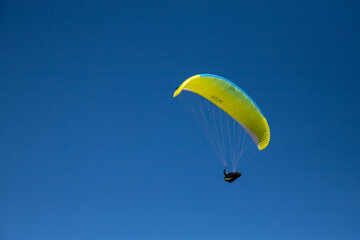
232 100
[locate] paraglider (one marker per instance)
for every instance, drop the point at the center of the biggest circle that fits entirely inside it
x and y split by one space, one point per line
231 176
228 117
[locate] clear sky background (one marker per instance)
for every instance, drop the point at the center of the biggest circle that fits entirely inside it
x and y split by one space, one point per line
93 146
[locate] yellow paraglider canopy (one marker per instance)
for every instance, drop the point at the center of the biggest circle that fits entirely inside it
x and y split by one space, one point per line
232 100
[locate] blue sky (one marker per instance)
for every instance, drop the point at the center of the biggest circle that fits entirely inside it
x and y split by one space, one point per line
92 145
